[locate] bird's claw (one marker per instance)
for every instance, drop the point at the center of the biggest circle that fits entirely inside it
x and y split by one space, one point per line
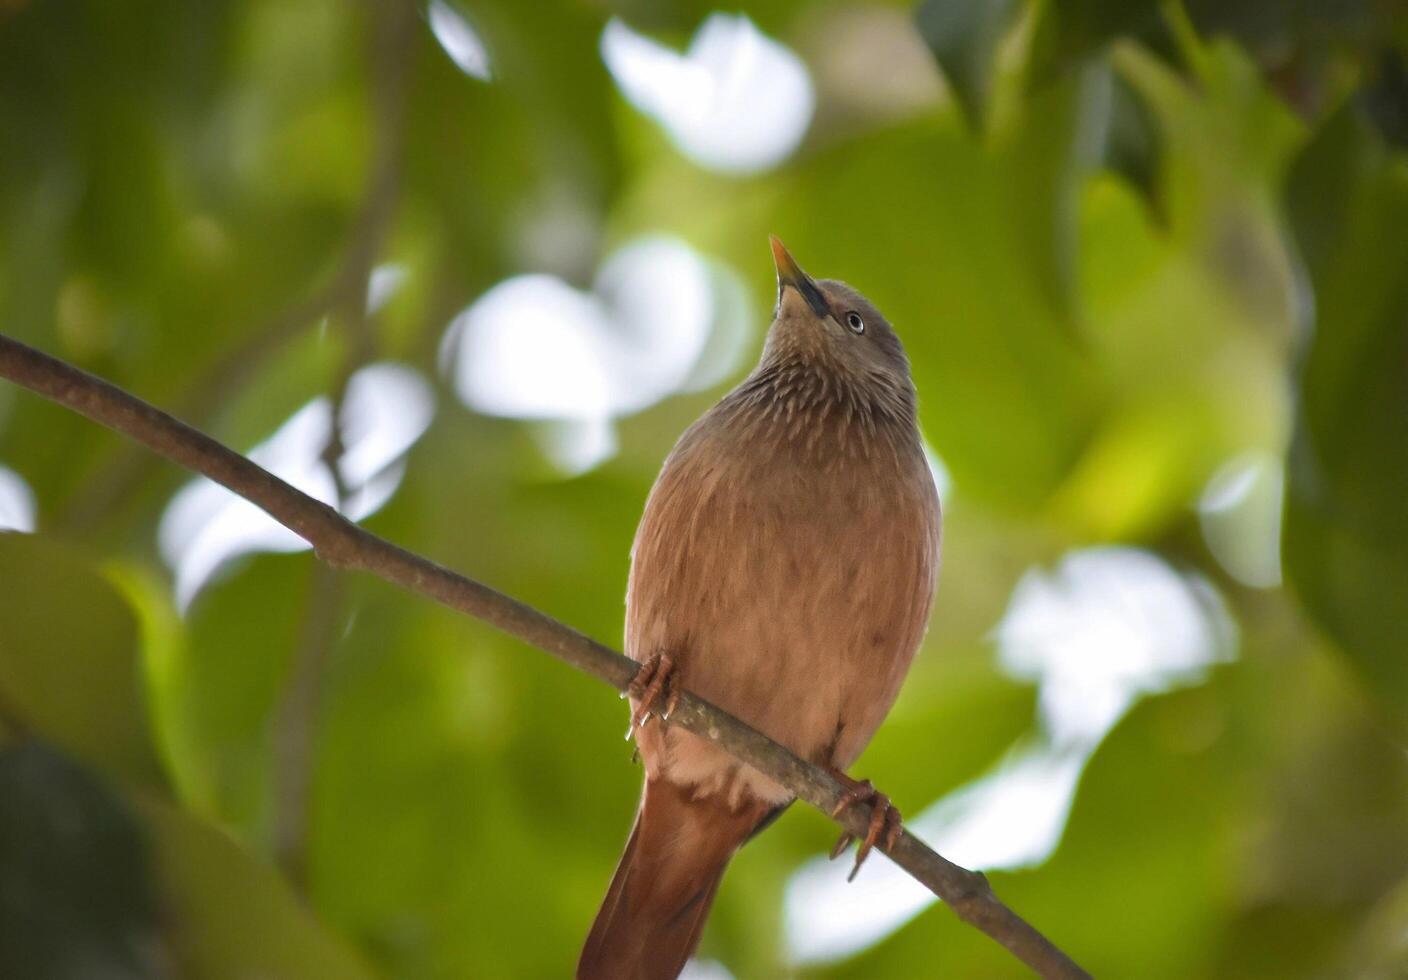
653 681
885 822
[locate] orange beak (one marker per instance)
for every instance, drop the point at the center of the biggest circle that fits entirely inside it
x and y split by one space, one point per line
789 273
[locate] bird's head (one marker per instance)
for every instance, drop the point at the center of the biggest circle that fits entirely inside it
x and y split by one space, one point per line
830 325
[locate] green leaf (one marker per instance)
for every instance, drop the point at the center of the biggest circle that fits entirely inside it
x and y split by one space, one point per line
1133 143
75 899
94 884
220 689
1385 97
1381 949
964 35
232 915
1346 538
68 658
1071 32
1046 158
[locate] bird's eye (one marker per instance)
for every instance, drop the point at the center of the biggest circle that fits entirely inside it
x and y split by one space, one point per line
854 321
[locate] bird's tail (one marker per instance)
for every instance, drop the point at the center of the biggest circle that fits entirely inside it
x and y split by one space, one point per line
654 911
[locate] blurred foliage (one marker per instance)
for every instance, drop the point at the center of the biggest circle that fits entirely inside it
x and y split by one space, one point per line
1125 243
1347 528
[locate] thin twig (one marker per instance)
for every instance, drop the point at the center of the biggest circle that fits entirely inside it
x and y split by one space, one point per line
296 719
110 488
345 545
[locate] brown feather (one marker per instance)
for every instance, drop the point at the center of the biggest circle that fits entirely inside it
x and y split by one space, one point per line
654 911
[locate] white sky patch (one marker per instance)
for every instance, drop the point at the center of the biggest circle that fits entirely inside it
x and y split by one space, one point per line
736 101
729 339
535 348
529 348
705 970
388 407
1240 514
17 507
1107 627
460 41
576 446
384 283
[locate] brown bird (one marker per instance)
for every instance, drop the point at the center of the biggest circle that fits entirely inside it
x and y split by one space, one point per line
784 569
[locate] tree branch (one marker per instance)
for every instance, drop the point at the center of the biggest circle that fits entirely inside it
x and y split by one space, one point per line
345 545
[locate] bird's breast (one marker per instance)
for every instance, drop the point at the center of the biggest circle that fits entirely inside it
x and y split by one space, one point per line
791 592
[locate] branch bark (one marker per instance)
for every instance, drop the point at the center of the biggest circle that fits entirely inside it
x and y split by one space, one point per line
346 545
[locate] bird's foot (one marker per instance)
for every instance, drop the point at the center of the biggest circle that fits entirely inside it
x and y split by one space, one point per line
885 823
655 690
